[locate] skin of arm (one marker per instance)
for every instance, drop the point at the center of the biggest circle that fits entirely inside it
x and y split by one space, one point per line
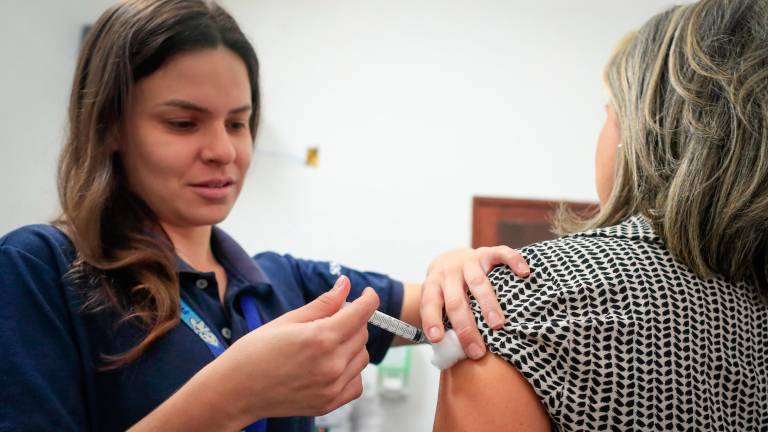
204 402
409 312
488 395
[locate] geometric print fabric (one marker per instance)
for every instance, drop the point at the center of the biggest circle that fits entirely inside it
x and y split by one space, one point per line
613 333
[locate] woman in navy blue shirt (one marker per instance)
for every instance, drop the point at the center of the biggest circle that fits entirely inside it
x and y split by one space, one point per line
118 314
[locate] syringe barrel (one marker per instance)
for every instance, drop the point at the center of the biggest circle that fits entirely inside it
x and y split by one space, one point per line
395 326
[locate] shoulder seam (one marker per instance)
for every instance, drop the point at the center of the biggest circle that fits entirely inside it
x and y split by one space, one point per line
27 254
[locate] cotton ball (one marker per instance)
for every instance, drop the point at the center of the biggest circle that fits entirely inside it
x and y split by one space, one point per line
448 351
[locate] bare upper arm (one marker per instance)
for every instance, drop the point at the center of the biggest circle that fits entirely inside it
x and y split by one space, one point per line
409 312
488 395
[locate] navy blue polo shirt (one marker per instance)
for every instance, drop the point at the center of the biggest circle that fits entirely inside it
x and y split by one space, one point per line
51 375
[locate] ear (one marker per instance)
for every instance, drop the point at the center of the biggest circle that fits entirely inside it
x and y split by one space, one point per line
115 140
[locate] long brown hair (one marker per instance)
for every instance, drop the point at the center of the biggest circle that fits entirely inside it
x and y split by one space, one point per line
124 260
690 89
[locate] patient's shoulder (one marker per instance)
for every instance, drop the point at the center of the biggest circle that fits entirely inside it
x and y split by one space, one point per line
588 260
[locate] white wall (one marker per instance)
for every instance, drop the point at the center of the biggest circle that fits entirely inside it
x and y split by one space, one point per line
416 106
39 41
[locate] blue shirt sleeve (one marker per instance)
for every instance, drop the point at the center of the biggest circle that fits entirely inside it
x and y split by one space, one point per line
317 277
40 371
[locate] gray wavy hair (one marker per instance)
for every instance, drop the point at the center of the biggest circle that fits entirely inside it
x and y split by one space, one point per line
690 89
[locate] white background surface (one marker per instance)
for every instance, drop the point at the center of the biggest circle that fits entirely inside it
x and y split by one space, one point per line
416 105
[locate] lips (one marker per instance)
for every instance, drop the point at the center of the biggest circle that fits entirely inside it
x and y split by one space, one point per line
215 183
215 190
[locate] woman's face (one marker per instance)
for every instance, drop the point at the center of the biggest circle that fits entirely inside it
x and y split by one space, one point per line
186 143
605 157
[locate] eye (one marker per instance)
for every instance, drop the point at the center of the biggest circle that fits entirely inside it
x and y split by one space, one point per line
237 125
181 125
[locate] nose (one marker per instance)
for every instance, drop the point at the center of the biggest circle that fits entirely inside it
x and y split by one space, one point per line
219 147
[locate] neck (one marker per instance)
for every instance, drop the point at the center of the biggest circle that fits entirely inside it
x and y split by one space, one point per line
192 244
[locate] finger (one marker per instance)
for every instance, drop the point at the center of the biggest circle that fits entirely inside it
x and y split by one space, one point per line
431 310
355 366
463 322
505 255
352 374
347 349
324 306
481 288
336 361
351 391
355 315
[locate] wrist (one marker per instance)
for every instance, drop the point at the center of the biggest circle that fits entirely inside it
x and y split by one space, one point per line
202 404
221 392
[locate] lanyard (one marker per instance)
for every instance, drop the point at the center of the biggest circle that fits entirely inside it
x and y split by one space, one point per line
201 329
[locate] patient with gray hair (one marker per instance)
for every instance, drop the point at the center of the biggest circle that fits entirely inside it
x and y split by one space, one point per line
652 314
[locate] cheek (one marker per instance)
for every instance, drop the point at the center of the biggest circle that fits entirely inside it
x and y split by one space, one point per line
244 157
153 160
605 160
605 155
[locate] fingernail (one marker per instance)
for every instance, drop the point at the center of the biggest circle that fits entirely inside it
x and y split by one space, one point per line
494 320
475 352
523 268
339 282
434 332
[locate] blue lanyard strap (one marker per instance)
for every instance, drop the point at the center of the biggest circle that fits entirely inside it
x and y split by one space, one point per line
252 317
201 329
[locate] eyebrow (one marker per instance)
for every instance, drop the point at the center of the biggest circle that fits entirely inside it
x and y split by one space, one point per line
178 103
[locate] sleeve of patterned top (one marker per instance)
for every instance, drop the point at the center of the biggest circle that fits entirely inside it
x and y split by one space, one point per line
570 330
536 338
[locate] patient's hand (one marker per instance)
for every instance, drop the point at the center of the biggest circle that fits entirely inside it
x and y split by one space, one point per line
449 277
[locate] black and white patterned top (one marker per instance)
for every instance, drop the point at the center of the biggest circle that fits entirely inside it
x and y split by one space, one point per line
614 333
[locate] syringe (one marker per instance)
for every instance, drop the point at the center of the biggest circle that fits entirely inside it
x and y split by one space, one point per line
445 353
396 327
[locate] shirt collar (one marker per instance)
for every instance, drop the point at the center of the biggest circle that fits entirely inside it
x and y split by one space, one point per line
236 262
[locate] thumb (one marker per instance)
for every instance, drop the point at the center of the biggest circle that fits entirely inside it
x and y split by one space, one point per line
322 307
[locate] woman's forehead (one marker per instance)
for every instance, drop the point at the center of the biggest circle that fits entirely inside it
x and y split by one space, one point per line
216 79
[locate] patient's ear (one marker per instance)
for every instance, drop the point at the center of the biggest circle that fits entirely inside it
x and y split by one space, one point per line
114 139
488 395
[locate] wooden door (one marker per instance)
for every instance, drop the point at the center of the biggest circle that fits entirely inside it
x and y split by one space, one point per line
515 222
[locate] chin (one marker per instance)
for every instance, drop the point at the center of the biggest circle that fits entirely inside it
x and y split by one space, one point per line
207 216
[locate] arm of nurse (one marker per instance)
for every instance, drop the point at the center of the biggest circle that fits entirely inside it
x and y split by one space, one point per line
488 395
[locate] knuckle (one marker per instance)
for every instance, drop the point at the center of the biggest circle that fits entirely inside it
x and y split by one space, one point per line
465 334
476 280
335 369
435 272
310 336
430 307
328 396
326 375
429 286
455 304
325 341
358 390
